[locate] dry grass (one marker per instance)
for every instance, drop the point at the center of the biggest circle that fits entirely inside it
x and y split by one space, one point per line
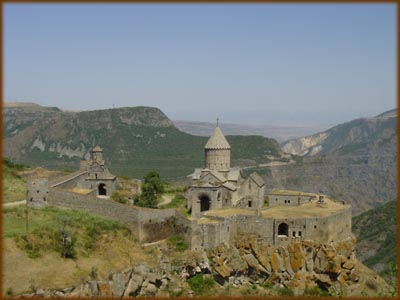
41 172
113 253
80 191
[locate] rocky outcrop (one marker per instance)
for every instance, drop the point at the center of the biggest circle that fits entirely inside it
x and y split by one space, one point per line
299 267
138 281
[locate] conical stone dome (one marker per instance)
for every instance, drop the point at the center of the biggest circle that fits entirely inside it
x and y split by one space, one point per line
217 140
217 152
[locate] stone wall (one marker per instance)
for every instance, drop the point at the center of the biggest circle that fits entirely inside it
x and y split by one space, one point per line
146 224
70 180
275 200
101 207
336 227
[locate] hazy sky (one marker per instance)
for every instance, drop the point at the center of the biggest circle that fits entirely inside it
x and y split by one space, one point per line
245 63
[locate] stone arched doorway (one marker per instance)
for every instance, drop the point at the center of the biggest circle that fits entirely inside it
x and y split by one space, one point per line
102 189
283 229
205 203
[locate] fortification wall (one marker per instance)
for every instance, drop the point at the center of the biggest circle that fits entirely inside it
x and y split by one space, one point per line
264 227
275 200
70 180
101 207
146 224
336 227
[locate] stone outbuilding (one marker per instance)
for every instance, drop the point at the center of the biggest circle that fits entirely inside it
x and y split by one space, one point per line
97 175
217 185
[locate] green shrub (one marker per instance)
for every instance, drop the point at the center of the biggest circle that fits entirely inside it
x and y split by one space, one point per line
199 285
285 292
178 242
315 291
177 201
9 292
116 196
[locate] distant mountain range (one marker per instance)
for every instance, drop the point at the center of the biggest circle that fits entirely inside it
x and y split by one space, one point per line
356 161
280 133
357 136
135 140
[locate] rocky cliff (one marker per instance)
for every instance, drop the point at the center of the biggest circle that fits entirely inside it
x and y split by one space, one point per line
304 267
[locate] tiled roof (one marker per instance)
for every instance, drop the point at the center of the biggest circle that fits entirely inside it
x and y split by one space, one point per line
217 140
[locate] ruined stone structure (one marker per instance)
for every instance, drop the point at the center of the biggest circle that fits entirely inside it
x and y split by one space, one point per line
218 185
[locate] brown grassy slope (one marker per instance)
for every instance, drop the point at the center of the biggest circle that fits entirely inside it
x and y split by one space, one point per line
112 254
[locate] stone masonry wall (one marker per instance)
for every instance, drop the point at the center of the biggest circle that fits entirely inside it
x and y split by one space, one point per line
137 219
70 180
102 207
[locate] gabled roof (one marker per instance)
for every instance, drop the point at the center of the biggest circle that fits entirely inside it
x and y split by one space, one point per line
214 173
230 186
257 179
97 149
217 140
234 174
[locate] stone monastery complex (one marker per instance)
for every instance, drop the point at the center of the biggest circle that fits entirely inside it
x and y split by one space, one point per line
223 205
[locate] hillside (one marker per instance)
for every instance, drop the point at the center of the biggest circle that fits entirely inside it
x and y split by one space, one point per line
278 132
135 140
376 232
355 162
14 187
354 137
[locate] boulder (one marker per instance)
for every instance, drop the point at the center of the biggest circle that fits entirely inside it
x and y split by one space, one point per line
297 256
118 283
104 289
150 290
142 269
134 285
349 264
253 263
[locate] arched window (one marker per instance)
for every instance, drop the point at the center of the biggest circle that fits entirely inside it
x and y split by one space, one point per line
205 203
283 229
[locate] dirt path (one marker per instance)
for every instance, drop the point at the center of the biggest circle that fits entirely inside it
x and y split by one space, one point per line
12 204
165 199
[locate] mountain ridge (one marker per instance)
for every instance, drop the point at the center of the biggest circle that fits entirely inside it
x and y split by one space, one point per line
347 137
135 140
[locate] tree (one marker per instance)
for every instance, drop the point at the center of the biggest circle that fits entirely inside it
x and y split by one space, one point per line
153 187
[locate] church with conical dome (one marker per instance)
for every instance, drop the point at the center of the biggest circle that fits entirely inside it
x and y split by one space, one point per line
217 185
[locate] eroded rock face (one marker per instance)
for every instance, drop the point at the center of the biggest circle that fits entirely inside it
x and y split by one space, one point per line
299 266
